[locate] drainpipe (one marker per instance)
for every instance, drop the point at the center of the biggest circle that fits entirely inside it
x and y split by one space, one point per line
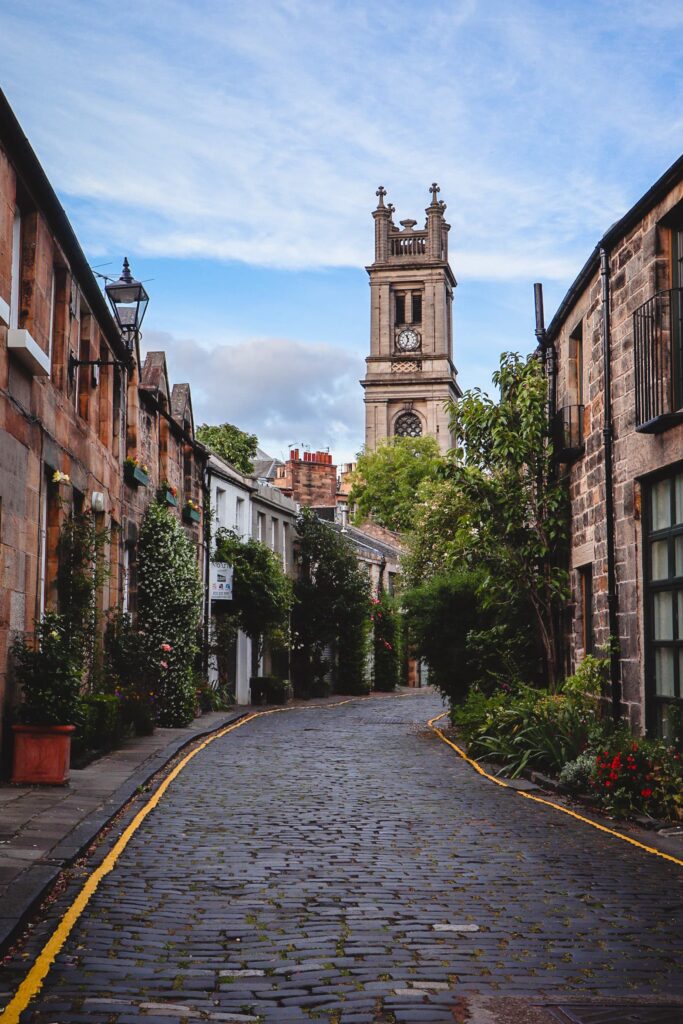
546 350
608 436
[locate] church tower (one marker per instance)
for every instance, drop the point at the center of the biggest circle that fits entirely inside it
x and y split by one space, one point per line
410 372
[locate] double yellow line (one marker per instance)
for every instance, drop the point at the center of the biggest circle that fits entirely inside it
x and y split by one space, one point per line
540 800
32 983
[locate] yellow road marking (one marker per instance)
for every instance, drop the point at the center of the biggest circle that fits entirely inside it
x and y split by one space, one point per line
32 983
540 800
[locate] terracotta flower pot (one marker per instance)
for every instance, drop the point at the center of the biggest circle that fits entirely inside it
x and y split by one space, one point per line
41 754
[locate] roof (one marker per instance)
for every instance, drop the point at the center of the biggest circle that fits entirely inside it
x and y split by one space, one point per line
36 182
671 177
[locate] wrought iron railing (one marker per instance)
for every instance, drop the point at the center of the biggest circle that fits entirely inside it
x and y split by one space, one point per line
568 433
658 344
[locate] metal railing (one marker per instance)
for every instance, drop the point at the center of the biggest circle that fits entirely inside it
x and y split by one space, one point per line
568 433
657 344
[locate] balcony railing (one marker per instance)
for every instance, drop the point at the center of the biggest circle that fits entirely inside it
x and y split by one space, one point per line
412 243
658 344
568 433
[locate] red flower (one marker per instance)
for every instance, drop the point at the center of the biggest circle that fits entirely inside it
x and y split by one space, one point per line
607 783
645 793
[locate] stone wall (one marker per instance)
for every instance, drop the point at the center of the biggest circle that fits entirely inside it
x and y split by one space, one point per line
639 266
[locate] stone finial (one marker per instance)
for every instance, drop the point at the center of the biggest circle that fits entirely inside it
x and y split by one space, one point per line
434 190
381 192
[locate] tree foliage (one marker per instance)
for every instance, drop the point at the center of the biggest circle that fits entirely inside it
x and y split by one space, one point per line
331 610
386 636
262 592
232 444
441 613
385 482
512 504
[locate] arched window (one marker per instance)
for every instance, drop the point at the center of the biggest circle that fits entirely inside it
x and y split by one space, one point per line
408 424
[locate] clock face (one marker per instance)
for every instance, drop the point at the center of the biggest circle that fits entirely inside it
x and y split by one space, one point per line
407 341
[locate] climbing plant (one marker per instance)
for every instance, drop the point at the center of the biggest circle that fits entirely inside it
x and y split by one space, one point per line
262 592
82 570
169 611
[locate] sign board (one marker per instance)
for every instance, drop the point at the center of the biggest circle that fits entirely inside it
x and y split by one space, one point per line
221 581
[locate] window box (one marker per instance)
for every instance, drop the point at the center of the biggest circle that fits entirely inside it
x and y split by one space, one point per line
135 476
191 514
167 497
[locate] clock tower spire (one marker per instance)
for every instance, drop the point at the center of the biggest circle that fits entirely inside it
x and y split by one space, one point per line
410 373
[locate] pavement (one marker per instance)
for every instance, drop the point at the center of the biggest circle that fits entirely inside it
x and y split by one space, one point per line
344 865
44 828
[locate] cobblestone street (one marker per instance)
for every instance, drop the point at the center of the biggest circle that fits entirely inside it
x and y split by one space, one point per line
343 864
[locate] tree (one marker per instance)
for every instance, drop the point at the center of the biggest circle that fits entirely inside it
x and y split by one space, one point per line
262 592
441 613
385 482
232 444
510 501
331 610
386 628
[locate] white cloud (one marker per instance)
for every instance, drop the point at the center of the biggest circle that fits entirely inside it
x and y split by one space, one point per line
258 132
283 391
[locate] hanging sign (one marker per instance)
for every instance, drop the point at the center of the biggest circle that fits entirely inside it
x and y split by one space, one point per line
221 581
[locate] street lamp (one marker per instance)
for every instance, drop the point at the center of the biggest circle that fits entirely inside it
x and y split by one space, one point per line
128 300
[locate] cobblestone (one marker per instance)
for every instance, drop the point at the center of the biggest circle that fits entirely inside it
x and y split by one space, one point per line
343 865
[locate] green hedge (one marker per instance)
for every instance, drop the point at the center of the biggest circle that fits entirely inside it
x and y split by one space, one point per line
270 690
101 726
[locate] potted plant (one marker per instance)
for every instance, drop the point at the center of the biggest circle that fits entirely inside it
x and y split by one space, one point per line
168 494
49 673
191 513
135 472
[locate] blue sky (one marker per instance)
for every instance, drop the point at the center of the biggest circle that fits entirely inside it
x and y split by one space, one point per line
232 151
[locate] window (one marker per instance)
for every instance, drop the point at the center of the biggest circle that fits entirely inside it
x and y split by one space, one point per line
285 544
15 287
677 317
273 534
239 516
417 307
575 366
586 608
400 308
664 573
220 507
408 424
52 312
261 527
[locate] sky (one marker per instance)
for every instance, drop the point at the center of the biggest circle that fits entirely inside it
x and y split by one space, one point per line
232 151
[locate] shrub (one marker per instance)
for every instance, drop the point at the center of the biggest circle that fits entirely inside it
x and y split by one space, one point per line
440 614
270 690
101 726
576 775
638 776
522 727
49 674
385 642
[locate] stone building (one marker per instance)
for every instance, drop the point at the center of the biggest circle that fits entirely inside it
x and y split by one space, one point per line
73 407
617 341
410 373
